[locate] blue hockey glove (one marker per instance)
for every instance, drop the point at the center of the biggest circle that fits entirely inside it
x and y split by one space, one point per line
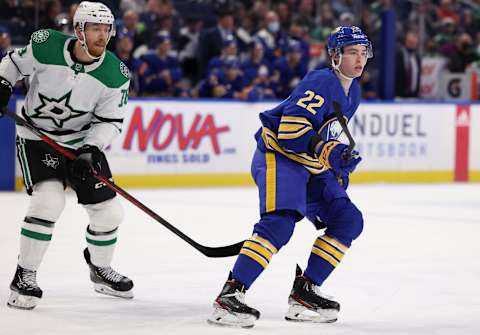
88 162
5 93
333 154
344 180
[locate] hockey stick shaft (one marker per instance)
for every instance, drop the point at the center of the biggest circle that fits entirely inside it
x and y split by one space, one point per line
226 251
337 110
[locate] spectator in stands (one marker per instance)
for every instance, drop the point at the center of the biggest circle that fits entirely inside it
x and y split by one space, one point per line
284 14
124 50
446 32
130 25
298 32
155 12
408 67
326 23
257 73
272 36
160 72
288 70
258 13
65 20
188 45
228 53
5 41
211 39
256 63
448 9
461 54
136 5
53 8
306 14
469 24
227 82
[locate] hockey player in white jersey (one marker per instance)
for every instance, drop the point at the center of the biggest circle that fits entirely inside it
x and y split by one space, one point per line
77 96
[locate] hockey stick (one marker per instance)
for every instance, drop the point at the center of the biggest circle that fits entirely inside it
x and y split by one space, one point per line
226 251
337 110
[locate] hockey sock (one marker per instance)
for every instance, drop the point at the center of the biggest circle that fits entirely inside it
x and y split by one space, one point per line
326 254
253 259
35 238
101 246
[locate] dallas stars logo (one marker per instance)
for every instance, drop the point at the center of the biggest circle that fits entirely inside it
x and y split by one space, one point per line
56 110
50 161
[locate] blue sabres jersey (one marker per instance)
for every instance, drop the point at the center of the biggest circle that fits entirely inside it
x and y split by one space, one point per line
289 127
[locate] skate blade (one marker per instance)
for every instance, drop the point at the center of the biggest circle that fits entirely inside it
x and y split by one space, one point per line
299 313
223 318
103 289
16 300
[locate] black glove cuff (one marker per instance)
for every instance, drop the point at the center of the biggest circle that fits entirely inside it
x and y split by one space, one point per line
87 148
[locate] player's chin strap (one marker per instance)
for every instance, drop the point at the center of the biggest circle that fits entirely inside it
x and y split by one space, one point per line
336 67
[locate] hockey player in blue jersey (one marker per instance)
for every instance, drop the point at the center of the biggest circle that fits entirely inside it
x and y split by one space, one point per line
301 170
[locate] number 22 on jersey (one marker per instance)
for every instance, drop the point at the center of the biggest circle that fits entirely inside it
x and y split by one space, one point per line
311 101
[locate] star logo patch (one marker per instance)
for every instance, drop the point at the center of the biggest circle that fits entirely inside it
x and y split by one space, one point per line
58 111
50 161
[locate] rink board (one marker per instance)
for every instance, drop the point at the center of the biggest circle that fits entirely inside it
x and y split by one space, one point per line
171 143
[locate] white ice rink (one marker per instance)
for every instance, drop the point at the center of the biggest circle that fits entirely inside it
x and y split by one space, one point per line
415 269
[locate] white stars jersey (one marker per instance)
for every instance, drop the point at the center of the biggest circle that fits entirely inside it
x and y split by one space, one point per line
75 104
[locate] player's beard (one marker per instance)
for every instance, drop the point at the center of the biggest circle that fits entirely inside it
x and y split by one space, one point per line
96 49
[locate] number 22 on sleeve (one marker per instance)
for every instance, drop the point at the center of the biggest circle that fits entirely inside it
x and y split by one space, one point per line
309 106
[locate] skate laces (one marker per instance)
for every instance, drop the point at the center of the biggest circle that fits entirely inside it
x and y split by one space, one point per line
28 278
309 286
317 291
240 296
110 274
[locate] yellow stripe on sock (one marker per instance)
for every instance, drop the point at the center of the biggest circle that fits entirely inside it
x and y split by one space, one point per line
329 249
265 243
259 248
254 256
325 256
335 243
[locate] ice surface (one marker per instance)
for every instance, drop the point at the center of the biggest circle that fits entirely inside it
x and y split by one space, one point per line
414 270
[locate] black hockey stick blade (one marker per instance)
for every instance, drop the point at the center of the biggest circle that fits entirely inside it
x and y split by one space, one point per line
216 252
337 110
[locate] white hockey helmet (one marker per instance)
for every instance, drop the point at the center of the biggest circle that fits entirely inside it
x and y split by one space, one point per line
93 12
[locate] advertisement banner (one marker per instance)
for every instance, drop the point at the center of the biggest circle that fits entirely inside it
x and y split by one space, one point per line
456 86
165 137
432 68
205 143
404 137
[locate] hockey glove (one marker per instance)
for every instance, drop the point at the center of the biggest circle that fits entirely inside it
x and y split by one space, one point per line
333 154
88 162
5 93
344 180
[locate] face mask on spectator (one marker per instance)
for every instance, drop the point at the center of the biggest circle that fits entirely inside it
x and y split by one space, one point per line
273 26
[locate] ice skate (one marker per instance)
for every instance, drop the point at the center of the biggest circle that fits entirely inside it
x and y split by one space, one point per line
230 309
25 292
108 281
308 304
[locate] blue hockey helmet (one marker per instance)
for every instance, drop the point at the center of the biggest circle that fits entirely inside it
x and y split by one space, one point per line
344 36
